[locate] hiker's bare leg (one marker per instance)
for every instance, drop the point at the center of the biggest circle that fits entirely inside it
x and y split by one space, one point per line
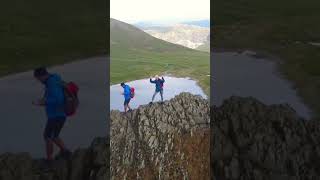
161 94
125 108
59 143
155 93
49 148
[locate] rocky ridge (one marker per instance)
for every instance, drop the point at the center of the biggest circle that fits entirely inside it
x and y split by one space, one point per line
85 164
250 140
162 141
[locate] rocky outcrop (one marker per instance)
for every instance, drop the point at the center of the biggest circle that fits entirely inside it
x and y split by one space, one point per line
250 140
162 141
247 140
85 164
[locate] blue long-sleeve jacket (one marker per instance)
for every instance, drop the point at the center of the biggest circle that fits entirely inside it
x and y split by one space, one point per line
54 97
158 83
126 92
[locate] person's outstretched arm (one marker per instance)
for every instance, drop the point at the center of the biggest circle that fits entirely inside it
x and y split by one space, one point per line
163 80
152 80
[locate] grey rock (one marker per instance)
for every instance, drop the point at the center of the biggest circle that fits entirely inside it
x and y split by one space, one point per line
251 140
144 141
85 164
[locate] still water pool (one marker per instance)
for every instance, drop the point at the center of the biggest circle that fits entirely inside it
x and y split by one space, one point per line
144 91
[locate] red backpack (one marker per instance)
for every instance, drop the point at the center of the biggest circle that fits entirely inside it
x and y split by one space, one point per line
71 98
132 92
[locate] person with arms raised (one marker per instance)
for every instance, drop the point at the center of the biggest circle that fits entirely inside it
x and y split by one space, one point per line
159 87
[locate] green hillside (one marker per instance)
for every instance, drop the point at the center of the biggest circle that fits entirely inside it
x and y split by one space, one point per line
283 28
38 32
135 55
204 47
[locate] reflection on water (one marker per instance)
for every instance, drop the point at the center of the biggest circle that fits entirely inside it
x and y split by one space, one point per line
243 75
144 91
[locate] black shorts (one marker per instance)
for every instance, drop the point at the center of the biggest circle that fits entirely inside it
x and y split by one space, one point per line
53 128
126 101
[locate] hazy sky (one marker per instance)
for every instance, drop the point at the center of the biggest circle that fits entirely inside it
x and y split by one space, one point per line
132 11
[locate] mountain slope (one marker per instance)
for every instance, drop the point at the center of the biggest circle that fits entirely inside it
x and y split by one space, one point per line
42 33
205 46
126 36
135 55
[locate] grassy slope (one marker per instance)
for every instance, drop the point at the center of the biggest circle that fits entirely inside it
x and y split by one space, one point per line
135 54
204 47
37 32
282 28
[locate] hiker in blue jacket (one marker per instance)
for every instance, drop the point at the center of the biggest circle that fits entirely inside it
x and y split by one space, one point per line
127 96
159 87
54 102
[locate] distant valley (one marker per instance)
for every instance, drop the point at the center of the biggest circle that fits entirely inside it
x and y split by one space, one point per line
194 35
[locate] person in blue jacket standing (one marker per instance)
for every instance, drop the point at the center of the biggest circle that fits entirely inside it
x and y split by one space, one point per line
127 96
159 87
54 102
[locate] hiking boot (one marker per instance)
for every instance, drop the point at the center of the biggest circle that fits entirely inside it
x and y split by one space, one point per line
150 103
129 110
